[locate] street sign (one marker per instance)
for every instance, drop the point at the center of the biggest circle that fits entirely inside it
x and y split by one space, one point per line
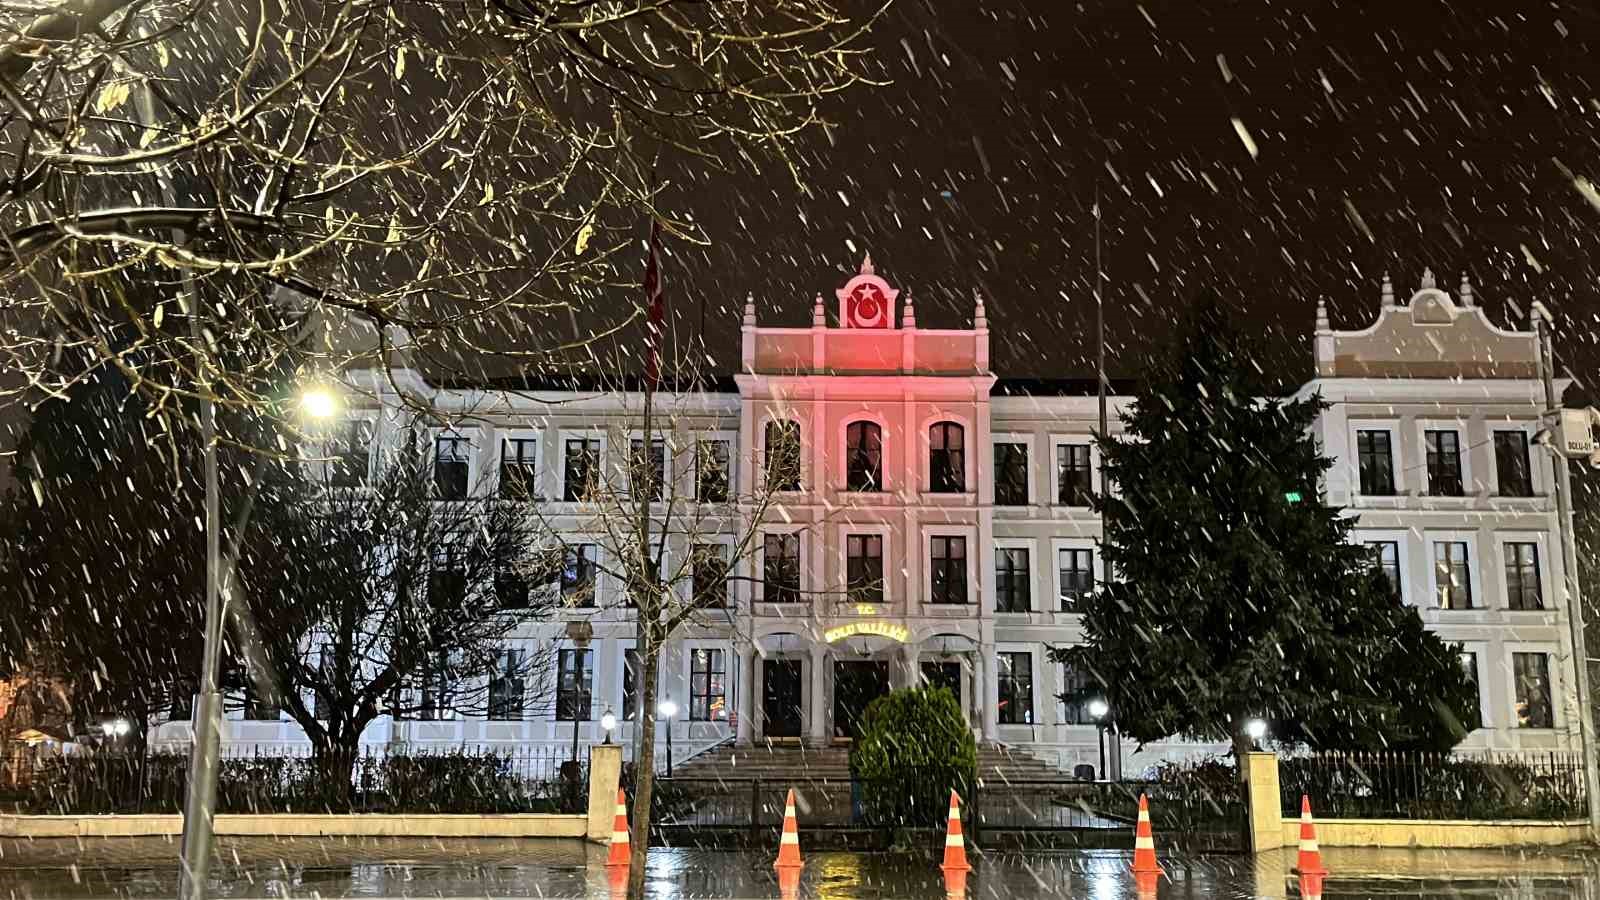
1574 437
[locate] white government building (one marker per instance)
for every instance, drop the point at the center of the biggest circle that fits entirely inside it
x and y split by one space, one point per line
937 528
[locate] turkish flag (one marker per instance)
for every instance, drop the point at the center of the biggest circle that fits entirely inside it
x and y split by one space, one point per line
867 307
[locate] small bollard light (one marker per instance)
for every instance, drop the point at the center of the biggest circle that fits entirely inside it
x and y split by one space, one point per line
1098 708
608 722
1255 730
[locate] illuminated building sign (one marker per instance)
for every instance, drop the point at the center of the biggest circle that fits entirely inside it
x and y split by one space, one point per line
893 632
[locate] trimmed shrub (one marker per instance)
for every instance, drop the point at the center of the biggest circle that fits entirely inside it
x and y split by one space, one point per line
915 747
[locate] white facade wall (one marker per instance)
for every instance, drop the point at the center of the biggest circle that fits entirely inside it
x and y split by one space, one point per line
903 380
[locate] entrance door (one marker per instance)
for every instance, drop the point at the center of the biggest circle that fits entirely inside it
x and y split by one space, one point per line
780 702
943 675
856 683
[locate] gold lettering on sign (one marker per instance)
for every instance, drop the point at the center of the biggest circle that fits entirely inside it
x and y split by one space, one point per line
893 632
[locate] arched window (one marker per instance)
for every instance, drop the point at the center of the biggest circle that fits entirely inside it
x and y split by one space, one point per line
947 458
863 451
783 456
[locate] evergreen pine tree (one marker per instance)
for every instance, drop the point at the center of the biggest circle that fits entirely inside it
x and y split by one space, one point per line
1233 592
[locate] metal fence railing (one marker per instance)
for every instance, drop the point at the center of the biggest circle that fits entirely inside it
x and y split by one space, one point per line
1435 786
297 779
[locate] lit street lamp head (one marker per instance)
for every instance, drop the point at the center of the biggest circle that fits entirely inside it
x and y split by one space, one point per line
667 709
608 722
1098 708
1255 729
319 403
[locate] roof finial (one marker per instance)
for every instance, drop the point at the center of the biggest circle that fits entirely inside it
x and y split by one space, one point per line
1388 292
908 318
980 319
1322 317
750 309
866 265
819 316
1428 283
1466 290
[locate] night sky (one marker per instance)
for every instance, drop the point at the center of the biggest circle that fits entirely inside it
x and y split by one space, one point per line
1387 136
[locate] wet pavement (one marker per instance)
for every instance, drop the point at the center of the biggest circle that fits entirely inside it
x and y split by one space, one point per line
252 868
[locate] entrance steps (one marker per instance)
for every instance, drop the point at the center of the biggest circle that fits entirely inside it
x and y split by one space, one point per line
781 762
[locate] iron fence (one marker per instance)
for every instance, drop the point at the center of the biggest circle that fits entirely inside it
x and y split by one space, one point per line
1058 812
462 779
1435 785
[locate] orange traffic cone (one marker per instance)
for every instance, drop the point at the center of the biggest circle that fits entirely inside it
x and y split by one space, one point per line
955 884
1145 884
789 883
789 844
1310 860
621 853
617 880
955 846
1310 887
1144 842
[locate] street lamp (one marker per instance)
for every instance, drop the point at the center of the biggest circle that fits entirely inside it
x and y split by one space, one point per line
579 632
1098 709
607 723
667 709
200 802
1255 730
115 728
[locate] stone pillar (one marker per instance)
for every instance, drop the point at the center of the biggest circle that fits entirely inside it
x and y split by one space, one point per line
1266 807
909 654
990 685
605 776
818 701
748 660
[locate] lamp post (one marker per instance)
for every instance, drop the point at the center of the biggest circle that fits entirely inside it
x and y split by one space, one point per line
1098 709
667 709
198 828
607 723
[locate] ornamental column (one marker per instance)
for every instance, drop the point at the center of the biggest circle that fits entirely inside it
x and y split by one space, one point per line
747 696
909 654
818 735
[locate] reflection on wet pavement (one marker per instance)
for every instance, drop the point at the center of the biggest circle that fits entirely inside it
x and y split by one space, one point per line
572 869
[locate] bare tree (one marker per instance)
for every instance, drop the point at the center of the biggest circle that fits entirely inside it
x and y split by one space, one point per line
403 593
669 519
467 172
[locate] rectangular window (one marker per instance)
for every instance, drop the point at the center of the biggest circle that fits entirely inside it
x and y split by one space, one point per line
510 585
518 457
1386 558
1013 591
1451 575
1375 456
574 685
438 702
581 469
349 451
947 458
1010 474
450 467
1444 462
1522 576
864 567
948 564
1072 474
651 469
1075 689
1016 687
1511 464
1077 577
780 568
506 687
578 575
447 579
710 576
632 669
783 456
711 471
1469 667
863 454
1531 672
708 689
